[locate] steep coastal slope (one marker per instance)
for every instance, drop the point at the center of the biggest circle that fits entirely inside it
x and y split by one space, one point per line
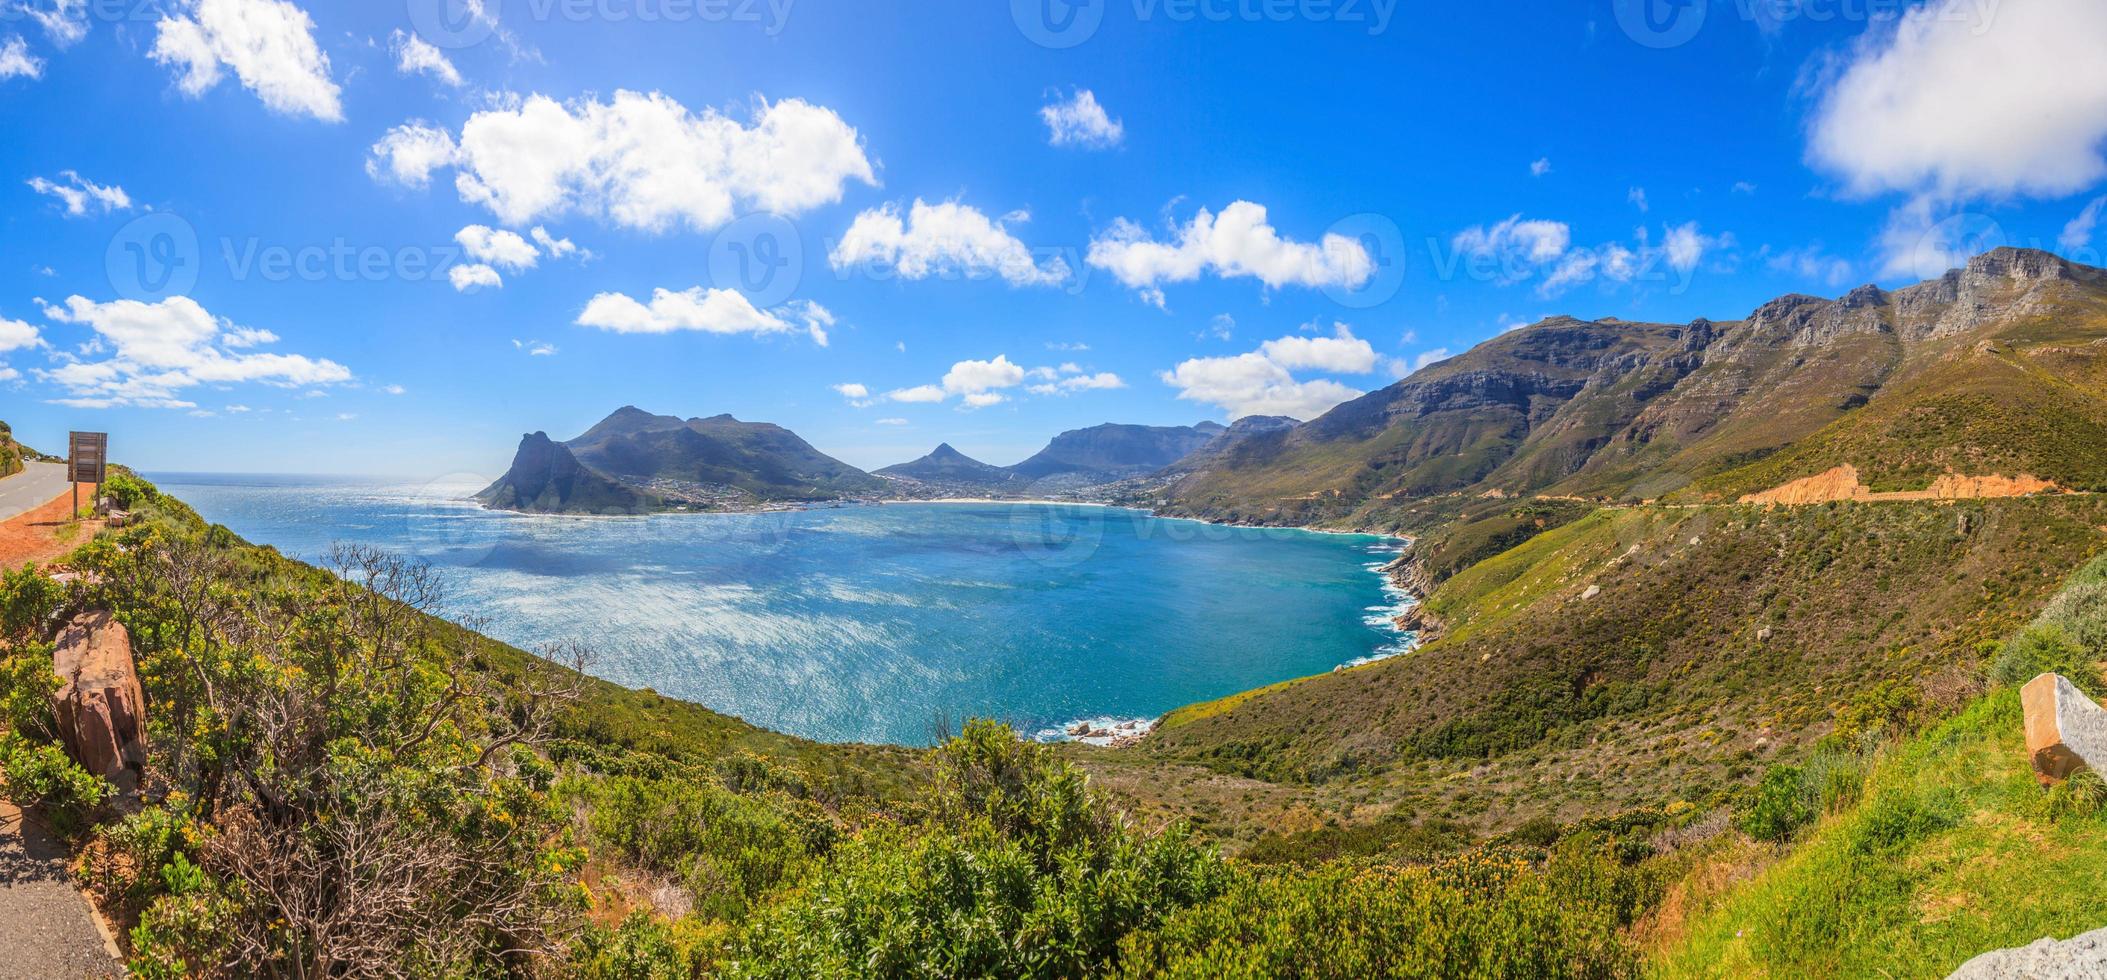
10 452
635 462
1104 453
1991 369
947 467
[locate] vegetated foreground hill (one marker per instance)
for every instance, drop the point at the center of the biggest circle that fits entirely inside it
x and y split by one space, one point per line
1637 655
634 462
1995 369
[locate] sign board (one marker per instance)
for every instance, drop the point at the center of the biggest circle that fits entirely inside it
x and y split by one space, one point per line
88 456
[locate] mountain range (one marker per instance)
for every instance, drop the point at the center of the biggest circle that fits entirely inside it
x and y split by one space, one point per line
634 462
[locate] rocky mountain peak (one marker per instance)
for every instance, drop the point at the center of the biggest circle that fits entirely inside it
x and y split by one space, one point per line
2020 264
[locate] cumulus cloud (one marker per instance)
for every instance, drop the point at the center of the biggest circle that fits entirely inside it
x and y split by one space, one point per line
640 161
949 240
1340 353
1081 122
979 384
1238 243
1954 102
503 249
1809 262
853 391
535 348
1541 167
556 248
1263 382
81 196
891 422
1429 357
17 62
1637 198
409 153
416 56
1532 241
17 335
717 311
268 44
472 276
160 349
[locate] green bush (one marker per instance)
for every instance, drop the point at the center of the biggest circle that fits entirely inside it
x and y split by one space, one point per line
728 851
1485 913
42 776
1021 873
128 491
1778 806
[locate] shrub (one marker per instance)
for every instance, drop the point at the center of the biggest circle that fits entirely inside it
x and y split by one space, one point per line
1778 805
727 850
2044 647
1485 913
42 776
1021 873
128 491
2081 797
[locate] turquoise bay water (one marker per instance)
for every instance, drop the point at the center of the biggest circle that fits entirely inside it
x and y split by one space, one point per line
871 623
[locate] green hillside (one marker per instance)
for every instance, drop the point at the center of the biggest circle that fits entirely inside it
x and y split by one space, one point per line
11 453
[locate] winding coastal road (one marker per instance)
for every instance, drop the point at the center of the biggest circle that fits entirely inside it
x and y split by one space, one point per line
38 484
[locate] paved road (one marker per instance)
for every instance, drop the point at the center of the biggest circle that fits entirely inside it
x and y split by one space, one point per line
35 486
45 930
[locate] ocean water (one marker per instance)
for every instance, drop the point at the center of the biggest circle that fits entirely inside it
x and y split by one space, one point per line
871 623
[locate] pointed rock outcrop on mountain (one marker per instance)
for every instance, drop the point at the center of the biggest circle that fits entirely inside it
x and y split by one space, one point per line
945 466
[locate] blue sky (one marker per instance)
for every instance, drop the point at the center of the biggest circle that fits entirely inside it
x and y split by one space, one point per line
1258 207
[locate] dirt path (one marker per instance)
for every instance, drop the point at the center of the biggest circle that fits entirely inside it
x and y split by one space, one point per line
46 931
43 533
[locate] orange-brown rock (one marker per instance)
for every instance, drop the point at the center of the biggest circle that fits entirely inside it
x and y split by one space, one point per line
1842 483
2065 730
101 710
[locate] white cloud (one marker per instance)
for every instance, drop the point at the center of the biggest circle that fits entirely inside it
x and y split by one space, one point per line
890 422
946 240
269 44
852 390
919 394
82 196
471 276
973 377
2078 233
647 162
409 154
1250 384
1262 382
983 399
502 249
1530 240
16 335
1434 356
1637 197
1954 100
1080 121
17 62
1066 346
414 55
1744 188
1685 246
1541 167
1341 353
395 390
1101 381
535 348
64 21
717 311
1237 243
245 337
162 348
556 247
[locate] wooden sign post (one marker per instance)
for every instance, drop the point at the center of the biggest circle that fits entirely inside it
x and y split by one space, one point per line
87 461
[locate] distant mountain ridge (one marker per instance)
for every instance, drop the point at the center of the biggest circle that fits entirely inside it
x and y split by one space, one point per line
1907 385
1103 453
635 462
945 466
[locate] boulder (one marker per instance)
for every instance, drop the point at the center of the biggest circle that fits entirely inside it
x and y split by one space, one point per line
101 710
2065 730
2078 958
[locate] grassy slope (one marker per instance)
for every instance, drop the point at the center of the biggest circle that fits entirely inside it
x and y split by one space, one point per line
1951 853
1657 688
